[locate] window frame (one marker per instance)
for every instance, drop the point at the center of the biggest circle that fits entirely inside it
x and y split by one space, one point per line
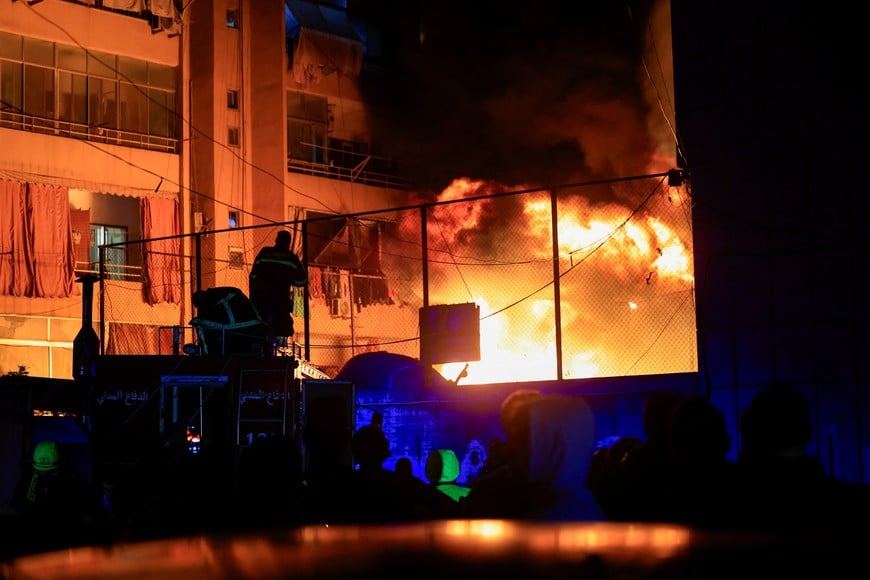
307 127
234 138
59 82
117 256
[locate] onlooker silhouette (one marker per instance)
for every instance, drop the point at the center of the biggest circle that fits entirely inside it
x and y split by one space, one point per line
381 495
597 473
514 420
472 464
648 466
404 467
561 444
784 487
549 448
607 476
56 507
701 491
502 490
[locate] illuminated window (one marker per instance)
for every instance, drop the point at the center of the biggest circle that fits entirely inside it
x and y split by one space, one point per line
232 19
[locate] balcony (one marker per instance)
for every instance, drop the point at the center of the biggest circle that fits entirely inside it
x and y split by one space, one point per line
22 122
345 161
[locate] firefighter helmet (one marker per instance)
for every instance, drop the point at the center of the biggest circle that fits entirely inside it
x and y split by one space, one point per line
46 455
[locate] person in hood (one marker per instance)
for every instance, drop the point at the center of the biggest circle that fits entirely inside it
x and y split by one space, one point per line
551 443
561 445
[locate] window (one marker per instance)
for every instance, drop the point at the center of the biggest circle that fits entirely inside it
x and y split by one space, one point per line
307 124
101 64
162 76
232 99
347 250
161 113
116 258
38 91
72 84
133 115
72 58
233 136
72 92
233 219
232 19
38 52
133 70
11 86
133 95
340 242
102 103
52 81
308 107
10 46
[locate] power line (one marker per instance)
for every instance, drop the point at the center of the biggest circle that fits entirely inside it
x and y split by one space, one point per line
187 123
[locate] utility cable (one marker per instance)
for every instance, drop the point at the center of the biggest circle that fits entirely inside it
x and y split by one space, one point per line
186 122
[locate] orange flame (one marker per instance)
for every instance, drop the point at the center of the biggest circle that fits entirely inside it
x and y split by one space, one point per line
631 251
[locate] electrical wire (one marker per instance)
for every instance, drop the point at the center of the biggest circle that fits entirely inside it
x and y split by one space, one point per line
666 114
194 130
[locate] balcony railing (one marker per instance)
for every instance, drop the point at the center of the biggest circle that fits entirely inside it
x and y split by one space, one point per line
22 122
346 164
112 271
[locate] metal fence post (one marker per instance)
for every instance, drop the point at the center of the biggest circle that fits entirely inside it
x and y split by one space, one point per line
557 291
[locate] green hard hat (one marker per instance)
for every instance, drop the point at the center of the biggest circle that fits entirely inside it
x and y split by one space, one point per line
46 455
442 466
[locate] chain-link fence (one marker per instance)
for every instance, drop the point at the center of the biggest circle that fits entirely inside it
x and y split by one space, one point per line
588 280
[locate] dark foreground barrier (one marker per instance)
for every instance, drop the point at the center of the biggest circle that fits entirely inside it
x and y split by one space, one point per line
453 549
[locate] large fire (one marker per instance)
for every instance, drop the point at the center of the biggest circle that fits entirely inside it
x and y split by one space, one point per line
625 282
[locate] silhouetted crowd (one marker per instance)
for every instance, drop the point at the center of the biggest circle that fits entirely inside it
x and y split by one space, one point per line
546 467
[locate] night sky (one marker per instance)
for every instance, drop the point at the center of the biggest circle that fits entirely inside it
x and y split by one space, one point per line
522 93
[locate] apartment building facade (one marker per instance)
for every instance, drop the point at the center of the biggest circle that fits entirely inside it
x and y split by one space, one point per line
127 120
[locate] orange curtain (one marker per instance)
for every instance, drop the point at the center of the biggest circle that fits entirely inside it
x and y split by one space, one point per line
37 258
162 276
138 339
16 262
53 252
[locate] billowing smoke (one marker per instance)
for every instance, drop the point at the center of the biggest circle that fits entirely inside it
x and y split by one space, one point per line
531 93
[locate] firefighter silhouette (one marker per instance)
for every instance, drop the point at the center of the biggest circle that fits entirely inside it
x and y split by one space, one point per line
276 270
